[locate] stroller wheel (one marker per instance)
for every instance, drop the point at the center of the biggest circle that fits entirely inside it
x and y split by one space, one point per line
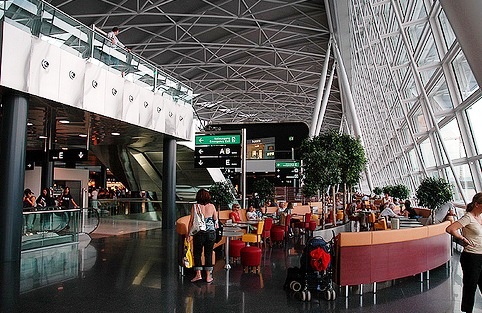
303 295
327 295
333 294
296 286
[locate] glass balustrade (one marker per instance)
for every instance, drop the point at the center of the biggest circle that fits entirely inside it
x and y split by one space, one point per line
50 226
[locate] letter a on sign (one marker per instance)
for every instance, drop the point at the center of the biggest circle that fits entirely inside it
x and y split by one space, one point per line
222 151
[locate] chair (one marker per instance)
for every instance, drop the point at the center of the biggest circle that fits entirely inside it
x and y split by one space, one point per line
256 237
268 223
381 224
371 219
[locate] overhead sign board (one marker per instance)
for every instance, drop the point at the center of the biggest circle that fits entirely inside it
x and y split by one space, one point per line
71 155
211 140
287 164
217 150
217 162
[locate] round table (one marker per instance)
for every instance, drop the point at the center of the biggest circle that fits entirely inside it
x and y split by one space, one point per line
228 232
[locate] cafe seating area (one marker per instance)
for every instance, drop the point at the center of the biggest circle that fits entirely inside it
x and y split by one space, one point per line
137 272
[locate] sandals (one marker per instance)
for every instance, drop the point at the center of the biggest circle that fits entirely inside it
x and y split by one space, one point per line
209 281
195 279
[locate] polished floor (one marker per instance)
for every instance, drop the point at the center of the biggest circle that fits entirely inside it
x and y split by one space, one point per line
138 272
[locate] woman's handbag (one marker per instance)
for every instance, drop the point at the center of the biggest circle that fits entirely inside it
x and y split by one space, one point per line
198 223
187 259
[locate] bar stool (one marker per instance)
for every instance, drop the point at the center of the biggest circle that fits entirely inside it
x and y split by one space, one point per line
235 247
251 258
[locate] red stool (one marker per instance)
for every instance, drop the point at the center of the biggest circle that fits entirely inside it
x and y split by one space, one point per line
251 258
277 234
311 227
235 247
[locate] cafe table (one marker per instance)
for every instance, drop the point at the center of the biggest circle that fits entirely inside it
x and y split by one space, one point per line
229 232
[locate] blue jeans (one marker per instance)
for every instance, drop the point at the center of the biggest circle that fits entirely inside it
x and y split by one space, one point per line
204 239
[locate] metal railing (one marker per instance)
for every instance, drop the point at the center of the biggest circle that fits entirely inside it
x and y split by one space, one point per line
52 25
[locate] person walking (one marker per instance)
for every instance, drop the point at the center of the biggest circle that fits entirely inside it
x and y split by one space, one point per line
471 257
203 238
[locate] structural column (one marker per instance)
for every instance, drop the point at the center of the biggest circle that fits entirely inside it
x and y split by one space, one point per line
12 166
169 212
47 165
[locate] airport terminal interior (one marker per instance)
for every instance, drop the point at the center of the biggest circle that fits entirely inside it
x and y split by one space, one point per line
143 103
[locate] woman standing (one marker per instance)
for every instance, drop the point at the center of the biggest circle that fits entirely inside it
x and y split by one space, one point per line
66 200
204 238
471 257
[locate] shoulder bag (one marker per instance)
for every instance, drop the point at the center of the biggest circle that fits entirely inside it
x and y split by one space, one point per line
198 223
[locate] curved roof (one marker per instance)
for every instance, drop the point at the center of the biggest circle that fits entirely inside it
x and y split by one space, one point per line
248 61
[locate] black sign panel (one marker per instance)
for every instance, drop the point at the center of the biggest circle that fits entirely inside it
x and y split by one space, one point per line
71 155
220 162
288 173
29 165
218 151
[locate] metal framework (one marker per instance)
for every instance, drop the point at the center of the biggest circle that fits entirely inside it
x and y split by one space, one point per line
414 95
248 61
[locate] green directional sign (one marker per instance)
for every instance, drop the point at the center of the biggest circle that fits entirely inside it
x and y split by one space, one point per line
213 140
287 164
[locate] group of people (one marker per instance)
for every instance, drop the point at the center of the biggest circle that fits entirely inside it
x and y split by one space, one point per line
64 200
468 230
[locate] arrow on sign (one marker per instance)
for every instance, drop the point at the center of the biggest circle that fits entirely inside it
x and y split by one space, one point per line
81 155
201 151
200 162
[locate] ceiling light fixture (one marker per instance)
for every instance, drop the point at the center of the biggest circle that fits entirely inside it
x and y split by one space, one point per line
64 121
83 135
42 137
29 124
115 134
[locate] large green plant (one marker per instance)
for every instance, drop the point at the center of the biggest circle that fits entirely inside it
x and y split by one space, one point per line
400 191
265 190
330 159
377 190
221 194
387 189
433 192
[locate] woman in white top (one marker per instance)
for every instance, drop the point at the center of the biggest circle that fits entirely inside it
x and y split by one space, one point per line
251 215
204 239
471 257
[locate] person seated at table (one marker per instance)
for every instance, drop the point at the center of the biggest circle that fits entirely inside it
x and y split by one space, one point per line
389 212
234 215
281 208
409 211
251 215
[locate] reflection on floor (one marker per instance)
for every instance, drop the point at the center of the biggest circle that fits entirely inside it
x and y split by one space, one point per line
116 225
138 272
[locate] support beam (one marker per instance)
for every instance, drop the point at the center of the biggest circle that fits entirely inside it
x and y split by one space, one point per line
316 111
12 166
169 211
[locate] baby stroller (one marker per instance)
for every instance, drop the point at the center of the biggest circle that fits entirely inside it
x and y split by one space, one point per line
315 273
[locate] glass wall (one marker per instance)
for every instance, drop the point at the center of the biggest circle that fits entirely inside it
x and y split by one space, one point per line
426 79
